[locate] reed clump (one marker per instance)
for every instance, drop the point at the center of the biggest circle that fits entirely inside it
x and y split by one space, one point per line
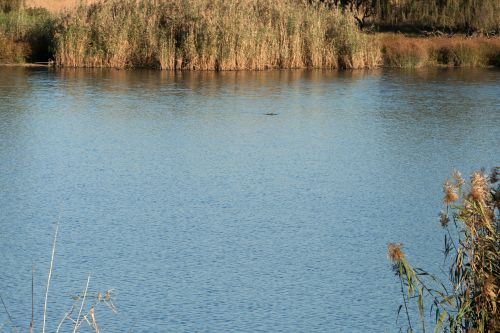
410 52
404 53
470 301
12 51
211 35
456 15
467 52
25 35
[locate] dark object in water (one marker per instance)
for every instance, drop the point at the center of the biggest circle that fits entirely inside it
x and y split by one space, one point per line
271 114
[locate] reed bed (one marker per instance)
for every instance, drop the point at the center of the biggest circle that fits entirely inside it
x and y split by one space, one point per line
211 35
457 15
55 6
26 35
470 300
450 15
412 52
220 35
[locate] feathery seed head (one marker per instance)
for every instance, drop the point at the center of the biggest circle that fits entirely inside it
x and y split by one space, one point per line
457 176
394 252
450 192
478 186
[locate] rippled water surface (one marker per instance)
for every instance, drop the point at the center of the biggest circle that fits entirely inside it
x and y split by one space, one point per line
207 215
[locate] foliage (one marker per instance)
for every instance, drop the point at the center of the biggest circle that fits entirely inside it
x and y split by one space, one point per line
455 15
360 9
470 301
10 5
27 35
461 15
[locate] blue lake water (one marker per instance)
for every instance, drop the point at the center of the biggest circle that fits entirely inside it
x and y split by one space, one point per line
204 214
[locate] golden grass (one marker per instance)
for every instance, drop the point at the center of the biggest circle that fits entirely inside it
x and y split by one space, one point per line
211 35
12 51
401 51
56 6
463 15
220 35
450 15
25 36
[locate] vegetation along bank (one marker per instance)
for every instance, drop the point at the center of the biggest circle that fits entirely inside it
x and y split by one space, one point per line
248 34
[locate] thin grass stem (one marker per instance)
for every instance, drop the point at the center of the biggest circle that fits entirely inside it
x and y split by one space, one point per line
66 316
8 313
49 277
78 323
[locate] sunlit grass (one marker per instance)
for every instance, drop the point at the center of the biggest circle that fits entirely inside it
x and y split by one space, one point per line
26 35
401 51
211 35
469 301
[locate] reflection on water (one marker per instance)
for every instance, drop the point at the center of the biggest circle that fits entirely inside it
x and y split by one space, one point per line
207 215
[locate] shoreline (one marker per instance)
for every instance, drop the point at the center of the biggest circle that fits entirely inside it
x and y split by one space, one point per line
26 64
393 50
430 66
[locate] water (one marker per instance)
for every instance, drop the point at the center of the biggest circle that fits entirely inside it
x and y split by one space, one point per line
206 215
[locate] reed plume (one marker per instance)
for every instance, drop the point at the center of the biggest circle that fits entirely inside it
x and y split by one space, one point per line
470 303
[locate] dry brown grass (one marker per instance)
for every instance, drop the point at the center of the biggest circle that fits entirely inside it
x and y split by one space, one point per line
402 51
12 51
56 5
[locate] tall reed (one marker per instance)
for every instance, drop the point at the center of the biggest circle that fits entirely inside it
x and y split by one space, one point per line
26 35
450 15
470 300
211 35
410 52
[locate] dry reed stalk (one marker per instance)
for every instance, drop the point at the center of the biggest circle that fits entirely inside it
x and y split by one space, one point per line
32 321
78 322
9 317
66 316
49 277
211 35
107 300
471 302
56 6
